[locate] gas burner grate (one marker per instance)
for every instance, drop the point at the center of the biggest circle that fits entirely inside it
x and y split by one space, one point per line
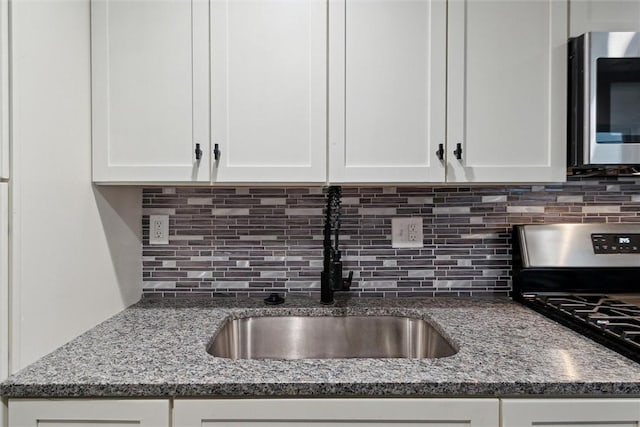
615 318
584 305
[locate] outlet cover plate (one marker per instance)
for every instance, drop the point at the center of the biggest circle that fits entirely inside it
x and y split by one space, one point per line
159 229
407 233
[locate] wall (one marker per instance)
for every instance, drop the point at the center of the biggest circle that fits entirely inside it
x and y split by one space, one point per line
603 15
75 247
251 241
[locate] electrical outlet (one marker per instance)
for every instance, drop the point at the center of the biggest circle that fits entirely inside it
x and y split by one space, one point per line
407 233
159 229
412 233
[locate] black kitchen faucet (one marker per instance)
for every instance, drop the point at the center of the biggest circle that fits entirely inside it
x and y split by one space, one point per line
331 279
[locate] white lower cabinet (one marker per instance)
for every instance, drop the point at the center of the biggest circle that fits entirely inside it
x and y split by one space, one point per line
570 412
88 413
431 412
336 412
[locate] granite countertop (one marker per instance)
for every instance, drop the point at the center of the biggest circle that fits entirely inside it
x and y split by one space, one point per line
157 349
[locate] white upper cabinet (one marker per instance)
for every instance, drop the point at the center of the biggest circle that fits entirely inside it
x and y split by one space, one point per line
505 64
150 94
387 90
603 15
154 106
269 90
507 90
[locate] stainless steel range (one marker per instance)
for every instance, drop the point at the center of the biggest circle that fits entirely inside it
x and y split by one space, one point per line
585 276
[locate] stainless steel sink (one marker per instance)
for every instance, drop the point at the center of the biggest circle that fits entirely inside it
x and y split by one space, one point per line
300 337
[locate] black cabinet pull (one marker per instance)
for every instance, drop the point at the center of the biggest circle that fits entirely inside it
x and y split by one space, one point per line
458 151
440 152
198 152
216 152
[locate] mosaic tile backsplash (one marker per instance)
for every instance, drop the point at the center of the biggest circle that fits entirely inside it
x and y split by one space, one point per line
254 241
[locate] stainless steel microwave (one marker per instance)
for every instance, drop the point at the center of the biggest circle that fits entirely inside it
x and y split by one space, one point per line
604 99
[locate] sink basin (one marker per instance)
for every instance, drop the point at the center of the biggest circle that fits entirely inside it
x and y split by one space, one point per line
325 337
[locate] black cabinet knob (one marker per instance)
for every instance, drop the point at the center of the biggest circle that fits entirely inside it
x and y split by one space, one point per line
458 151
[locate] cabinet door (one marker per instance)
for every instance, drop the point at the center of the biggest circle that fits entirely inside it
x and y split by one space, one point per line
88 413
507 90
150 90
268 90
387 90
4 89
570 412
336 412
4 281
603 15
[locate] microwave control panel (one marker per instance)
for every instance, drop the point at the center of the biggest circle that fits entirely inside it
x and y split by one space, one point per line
615 243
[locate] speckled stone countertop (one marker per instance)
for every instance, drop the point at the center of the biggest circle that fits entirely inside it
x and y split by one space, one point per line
157 348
